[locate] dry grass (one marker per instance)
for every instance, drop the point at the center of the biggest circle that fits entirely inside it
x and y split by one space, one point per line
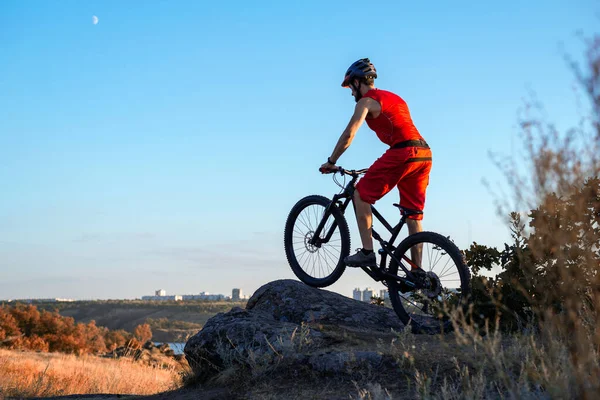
508 366
30 374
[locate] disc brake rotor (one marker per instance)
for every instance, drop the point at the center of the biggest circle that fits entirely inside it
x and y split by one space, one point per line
307 238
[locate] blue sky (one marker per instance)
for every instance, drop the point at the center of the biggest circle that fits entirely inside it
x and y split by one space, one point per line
164 146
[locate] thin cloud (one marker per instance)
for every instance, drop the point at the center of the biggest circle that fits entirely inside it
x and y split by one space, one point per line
216 257
112 237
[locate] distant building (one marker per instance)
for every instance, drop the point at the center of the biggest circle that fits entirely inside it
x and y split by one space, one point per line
215 297
236 294
357 294
203 296
191 297
163 298
161 295
367 294
384 294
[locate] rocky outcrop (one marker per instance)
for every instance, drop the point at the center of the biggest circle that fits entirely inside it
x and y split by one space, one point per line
289 321
292 301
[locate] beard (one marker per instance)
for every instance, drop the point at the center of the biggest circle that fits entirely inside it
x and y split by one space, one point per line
357 95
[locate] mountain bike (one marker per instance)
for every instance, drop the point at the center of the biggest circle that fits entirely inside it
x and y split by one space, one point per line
317 239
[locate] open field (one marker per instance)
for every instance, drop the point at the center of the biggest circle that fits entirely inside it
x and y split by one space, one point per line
31 374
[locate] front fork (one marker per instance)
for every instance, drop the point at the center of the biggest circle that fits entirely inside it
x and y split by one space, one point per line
316 239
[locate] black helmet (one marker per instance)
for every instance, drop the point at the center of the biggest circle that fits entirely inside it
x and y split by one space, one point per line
362 68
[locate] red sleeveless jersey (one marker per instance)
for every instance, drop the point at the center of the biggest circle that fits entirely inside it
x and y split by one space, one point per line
394 124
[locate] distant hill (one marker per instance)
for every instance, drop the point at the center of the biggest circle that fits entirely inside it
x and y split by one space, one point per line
170 321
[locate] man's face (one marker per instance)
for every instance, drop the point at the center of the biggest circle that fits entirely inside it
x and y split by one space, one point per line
353 85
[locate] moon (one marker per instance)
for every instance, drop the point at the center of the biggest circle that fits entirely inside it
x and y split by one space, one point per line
95 20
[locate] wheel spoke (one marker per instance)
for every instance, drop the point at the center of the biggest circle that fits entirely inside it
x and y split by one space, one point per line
319 263
305 222
410 301
436 261
445 267
330 255
334 248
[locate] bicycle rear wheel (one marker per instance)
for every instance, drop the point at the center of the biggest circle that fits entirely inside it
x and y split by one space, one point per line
446 276
322 265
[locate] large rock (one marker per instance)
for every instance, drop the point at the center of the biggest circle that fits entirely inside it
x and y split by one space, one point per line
292 301
288 320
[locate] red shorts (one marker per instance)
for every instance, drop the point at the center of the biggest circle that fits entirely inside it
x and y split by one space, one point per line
406 168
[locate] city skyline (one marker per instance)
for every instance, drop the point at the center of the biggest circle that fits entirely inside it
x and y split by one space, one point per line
383 294
161 294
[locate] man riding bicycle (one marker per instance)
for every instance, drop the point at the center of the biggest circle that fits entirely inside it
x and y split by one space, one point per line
405 165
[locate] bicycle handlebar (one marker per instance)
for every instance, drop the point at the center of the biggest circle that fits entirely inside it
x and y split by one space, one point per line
343 171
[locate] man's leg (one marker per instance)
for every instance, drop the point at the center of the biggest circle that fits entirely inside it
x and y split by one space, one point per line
413 187
364 219
416 252
377 182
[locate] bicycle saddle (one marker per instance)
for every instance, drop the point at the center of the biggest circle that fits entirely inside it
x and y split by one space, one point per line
408 211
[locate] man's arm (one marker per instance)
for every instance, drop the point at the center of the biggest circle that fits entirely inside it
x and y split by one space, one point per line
360 113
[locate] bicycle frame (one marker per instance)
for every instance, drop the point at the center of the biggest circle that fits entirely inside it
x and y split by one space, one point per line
387 248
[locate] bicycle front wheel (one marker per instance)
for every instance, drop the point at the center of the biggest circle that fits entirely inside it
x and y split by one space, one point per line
446 282
321 265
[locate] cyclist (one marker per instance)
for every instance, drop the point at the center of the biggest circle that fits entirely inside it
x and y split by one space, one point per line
405 165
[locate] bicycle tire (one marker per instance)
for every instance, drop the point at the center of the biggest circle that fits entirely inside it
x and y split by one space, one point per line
292 258
394 287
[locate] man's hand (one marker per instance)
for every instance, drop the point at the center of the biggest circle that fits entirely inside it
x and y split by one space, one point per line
327 168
